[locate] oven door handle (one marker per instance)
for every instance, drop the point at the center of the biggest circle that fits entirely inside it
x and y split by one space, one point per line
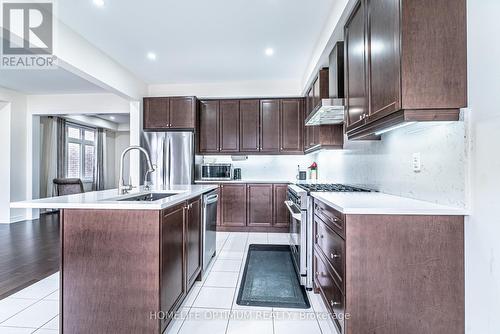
296 216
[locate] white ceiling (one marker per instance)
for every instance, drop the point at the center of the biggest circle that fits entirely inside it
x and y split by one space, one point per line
55 81
199 41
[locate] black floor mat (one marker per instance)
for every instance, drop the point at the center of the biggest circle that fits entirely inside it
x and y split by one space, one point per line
270 279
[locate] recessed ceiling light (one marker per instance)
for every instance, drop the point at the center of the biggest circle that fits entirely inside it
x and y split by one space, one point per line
99 3
112 118
151 56
269 51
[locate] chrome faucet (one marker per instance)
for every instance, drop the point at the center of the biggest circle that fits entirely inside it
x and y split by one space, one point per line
125 188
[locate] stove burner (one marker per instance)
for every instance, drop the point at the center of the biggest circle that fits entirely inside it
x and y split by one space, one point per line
323 187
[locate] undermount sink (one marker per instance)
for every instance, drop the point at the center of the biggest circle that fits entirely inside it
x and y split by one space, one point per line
150 197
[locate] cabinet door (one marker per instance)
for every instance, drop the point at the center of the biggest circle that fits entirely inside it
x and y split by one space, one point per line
229 126
234 204
172 279
193 241
209 127
156 113
356 95
270 125
384 57
260 204
182 112
281 214
307 129
249 126
291 125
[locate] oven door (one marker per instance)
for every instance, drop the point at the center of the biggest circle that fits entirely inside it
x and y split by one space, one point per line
297 231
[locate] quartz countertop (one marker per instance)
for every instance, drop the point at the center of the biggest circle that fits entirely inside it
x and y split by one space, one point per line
244 181
375 203
110 199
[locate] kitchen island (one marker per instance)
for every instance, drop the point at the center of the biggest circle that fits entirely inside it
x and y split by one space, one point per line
126 260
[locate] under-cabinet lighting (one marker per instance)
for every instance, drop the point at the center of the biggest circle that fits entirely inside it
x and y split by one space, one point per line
399 126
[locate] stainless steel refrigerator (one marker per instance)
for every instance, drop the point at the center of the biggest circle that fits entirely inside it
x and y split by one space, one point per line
173 155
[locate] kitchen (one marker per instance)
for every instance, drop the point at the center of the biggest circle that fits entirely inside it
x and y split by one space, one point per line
347 205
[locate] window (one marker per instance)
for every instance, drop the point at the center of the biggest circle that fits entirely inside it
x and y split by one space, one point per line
80 152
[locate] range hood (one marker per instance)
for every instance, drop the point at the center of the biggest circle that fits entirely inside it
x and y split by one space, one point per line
331 110
328 111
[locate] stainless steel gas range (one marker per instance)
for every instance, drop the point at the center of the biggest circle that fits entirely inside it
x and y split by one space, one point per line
300 204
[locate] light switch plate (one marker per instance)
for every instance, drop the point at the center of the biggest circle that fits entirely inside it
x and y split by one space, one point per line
417 165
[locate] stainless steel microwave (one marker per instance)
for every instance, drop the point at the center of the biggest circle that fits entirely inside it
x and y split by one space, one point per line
216 171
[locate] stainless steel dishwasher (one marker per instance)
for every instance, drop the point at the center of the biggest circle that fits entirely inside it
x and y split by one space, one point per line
209 227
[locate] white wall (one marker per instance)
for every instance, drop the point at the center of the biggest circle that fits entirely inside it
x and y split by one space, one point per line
278 88
264 167
13 152
482 236
386 165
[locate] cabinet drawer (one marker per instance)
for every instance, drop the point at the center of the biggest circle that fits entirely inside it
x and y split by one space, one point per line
331 294
331 246
334 219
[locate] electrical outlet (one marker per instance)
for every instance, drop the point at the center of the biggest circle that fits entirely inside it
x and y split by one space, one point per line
417 165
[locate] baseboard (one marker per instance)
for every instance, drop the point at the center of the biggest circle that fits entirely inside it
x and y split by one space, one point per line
14 219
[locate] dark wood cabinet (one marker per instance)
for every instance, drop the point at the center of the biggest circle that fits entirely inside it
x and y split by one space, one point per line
229 121
281 215
384 57
292 123
209 127
193 241
321 136
270 126
351 282
172 273
355 62
249 125
156 115
182 113
234 204
406 61
253 207
169 113
260 204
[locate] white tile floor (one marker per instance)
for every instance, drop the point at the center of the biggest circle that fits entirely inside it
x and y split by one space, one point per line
210 306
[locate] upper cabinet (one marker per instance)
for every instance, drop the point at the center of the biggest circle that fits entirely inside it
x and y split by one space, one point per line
405 61
270 126
321 136
170 113
251 126
208 133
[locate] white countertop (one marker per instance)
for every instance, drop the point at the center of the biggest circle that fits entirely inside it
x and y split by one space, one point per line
375 203
245 181
110 199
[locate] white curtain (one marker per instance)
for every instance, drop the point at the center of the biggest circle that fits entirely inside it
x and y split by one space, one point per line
48 155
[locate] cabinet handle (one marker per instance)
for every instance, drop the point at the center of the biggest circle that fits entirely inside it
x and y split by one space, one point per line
319 273
334 256
332 303
319 236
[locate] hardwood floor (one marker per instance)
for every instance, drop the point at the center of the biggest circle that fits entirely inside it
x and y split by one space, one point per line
29 252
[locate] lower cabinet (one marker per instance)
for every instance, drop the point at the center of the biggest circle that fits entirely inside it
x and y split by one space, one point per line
234 205
172 276
379 271
181 254
257 207
281 215
193 241
260 205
